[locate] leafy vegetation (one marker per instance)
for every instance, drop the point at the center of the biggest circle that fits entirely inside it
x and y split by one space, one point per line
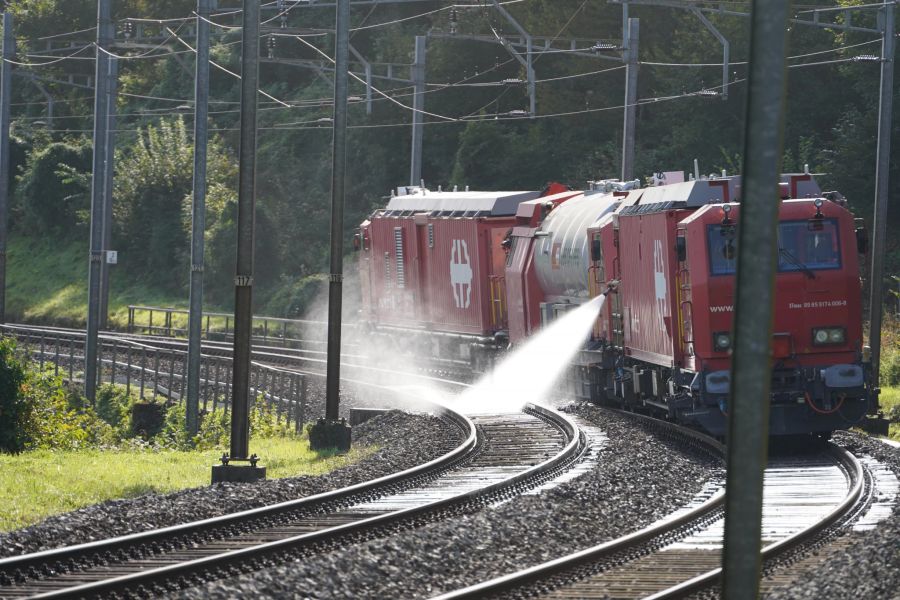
14 409
890 352
57 453
831 119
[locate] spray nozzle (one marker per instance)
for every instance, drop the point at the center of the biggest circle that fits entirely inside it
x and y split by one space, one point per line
611 285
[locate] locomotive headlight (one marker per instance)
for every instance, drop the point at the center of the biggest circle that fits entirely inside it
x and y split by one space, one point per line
829 336
721 341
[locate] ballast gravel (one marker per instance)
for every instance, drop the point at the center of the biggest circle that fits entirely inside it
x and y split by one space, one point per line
869 567
638 480
405 440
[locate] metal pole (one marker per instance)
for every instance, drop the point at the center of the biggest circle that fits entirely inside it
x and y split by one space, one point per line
198 218
243 281
9 43
631 74
338 167
529 71
418 119
101 102
882 171
751 375
108 181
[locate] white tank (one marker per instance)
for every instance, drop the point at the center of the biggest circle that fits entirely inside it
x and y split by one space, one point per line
563 254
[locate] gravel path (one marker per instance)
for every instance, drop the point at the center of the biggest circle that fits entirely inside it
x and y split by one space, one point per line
406 440
639 480
870 568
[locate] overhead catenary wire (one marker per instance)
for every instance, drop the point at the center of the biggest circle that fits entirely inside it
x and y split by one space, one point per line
376 90
221 68
738 63
462 119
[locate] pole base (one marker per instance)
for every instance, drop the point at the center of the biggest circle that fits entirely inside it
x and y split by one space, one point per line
237 473
328 435
876 425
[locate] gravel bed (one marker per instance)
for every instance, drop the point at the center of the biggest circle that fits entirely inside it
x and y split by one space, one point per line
638 480
870 567
406 440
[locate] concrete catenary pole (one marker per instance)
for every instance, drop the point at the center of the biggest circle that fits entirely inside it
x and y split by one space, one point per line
329 432
338 170
198 217
9 42
631 75
882 172
108 184
418 118
98 183
243 280
751 375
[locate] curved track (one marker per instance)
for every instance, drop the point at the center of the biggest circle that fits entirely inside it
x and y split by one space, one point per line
505 457
806 500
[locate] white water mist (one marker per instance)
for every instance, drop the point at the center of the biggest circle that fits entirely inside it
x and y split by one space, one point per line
530 372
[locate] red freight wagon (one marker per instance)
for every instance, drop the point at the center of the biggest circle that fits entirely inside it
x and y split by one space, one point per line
648 285
435 261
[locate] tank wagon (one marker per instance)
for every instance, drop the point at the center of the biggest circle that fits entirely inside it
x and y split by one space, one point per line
463 275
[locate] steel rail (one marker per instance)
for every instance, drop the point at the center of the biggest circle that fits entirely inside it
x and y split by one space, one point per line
852 467
606 549
534 475
854 470
23 563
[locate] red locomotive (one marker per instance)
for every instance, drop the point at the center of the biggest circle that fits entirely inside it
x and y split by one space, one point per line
462 275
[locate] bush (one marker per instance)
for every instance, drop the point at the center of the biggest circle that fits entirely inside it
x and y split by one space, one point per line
893 414
113 405
889 373
54 189
60 418
294 296
215 427
15 408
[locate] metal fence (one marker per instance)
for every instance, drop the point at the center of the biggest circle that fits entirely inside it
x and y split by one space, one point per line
159 372
172 322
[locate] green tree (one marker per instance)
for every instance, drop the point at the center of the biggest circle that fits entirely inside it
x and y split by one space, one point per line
152 206
54 190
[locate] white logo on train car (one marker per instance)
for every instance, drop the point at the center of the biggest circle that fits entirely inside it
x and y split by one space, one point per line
461 273
659 278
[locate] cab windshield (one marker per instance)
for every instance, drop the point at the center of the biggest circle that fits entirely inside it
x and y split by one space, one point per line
804 246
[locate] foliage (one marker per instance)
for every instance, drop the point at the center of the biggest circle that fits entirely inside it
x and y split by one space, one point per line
215 427
830 125
889 372
60 418
153 200
54 189
113 405
294 296
15 407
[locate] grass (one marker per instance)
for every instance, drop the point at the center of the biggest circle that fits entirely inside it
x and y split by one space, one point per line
890 397
36 485
47 282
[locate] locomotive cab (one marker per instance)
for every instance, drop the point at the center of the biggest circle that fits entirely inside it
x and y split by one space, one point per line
819 382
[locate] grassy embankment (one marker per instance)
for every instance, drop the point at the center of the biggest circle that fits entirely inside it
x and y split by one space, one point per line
47 283
40 483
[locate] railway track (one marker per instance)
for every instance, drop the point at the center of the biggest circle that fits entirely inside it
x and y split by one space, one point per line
503 455
808 501
304 360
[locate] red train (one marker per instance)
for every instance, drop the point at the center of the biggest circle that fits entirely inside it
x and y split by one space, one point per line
464 275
